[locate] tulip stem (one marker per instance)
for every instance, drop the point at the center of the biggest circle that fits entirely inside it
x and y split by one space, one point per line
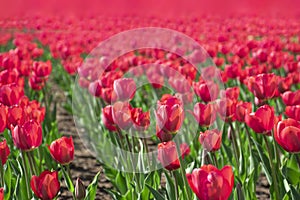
234 143
1 174
67 176
25 173
276 189
176 184
31 163
186 185
215 159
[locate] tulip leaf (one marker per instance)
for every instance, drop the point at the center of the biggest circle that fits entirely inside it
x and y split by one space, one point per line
68 180
292 175
7 180
155 193
170 187
295 194
264 160
121 183
92 188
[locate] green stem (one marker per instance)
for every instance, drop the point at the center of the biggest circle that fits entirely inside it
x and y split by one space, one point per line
1 174
234 143
67 176
176 185
215 159
25 173
186 185
31 163
276 189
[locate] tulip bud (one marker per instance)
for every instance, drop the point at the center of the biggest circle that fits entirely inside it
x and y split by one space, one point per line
79 190
62 150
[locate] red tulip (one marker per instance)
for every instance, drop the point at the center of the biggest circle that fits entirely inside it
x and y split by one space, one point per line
121 113
293 112
167 154
4 152
209 183
227 109
261 121
263 86
62 150
208 91
42 69
204 114
3 117
95 88
1 193
45 186
107 118
169 114
211 140
231 93
164 136
242 109
27 136
124 88
141 120
291 98
287 135
10 94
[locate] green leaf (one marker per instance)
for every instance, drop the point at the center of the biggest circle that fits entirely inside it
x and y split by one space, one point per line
155 193
264 160
68 180
170 187
92 188
7 180
121 183
295 194
292 175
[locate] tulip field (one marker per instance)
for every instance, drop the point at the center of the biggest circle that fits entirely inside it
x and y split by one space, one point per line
178 108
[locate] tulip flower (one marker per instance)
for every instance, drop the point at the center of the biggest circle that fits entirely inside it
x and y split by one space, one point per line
27 136
1 193
46 186
124 88
291 98
242 109
141 120
3 117
167 154
107 118
10 94
121 113
208 182
208 91
231 93
4 152
169 114
205 115
263 86
287 135
261 121
293 112
62 150
227 109
42 69
211 140
79 190
164 136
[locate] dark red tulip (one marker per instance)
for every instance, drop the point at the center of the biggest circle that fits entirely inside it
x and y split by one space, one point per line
211 140
204 114
209 183
141 120
208 91
169 114
27 136
167 154
124 88
121 113
164 136
285 84
261 121
4 152
10 94
293 112
291 98
62 150
3 117
287 135
263 86
107 118
46 185
242 109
